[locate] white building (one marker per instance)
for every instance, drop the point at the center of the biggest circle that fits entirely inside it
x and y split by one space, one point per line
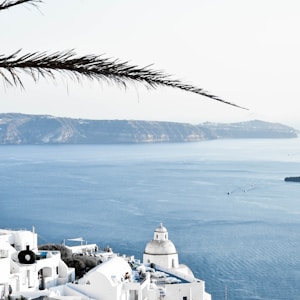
24 269
161 251
31 273
160 277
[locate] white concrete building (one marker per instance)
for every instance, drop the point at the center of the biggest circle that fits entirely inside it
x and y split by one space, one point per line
24 269
30 273
160 277
161 251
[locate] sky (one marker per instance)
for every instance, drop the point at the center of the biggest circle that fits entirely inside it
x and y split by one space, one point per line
244 51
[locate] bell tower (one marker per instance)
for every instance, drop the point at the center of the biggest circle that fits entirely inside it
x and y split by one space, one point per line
160 233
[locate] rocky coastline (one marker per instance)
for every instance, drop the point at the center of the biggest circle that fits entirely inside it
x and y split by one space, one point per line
21 129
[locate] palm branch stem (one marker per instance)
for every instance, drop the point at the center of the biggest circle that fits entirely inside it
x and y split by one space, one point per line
7 4
91 66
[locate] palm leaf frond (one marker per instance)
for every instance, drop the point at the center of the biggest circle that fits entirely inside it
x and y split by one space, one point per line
90 66
7 4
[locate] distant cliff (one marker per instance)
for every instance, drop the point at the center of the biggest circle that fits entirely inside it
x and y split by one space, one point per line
43 129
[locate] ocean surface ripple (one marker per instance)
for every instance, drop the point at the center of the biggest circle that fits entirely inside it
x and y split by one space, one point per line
232 217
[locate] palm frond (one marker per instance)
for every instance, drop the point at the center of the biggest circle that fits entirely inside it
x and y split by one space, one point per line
7 4
90 66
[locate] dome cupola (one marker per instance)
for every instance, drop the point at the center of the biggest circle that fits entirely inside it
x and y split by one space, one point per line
161 233
160 245
161 250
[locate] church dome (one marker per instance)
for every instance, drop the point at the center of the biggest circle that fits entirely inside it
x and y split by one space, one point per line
157 247
160 245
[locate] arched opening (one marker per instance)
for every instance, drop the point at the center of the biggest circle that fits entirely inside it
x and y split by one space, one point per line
43 274
47 271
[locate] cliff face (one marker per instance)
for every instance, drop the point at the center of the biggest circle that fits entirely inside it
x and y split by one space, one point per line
250 129
34 129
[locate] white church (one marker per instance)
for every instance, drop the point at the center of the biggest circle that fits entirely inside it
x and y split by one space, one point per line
159 277
162 252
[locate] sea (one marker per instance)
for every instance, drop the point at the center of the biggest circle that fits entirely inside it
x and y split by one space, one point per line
233 219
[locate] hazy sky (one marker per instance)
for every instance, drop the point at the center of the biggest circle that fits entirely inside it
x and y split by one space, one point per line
245 51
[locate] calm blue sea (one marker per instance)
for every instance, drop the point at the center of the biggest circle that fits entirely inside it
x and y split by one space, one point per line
230 214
